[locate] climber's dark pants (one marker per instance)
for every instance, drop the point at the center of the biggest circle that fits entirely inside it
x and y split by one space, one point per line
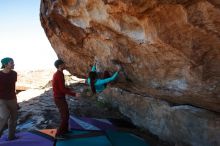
64 115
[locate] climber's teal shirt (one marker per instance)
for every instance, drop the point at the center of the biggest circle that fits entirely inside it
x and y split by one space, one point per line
100 83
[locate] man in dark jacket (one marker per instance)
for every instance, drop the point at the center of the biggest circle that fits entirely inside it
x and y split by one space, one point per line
8 99
59 92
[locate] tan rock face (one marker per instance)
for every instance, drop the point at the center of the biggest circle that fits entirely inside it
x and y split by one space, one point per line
34 79
183 125
169 49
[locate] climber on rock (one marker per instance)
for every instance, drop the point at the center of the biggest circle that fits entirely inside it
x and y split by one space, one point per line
97 83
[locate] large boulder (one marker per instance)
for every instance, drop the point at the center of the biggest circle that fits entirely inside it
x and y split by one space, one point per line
169 51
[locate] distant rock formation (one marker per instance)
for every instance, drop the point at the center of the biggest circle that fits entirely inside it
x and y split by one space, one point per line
169 49
33 79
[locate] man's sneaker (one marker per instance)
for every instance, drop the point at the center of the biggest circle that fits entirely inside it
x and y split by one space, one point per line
60 137
14 138
11 138
68 132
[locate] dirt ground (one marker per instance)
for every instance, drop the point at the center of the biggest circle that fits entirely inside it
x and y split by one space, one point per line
43 107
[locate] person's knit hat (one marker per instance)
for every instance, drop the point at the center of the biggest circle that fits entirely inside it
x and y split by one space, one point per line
5 61
58 62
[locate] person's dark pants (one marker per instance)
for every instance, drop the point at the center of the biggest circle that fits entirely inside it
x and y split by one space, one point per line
64 114
8 113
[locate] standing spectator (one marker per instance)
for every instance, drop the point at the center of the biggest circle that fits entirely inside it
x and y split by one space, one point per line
8 99
59 92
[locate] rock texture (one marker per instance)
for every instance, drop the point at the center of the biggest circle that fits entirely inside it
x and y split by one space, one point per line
33 79
182 125
169 51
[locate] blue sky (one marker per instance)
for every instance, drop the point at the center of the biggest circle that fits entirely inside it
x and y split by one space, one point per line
22 37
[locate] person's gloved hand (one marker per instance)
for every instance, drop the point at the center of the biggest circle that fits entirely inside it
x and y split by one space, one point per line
77 96
18 107
118 68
